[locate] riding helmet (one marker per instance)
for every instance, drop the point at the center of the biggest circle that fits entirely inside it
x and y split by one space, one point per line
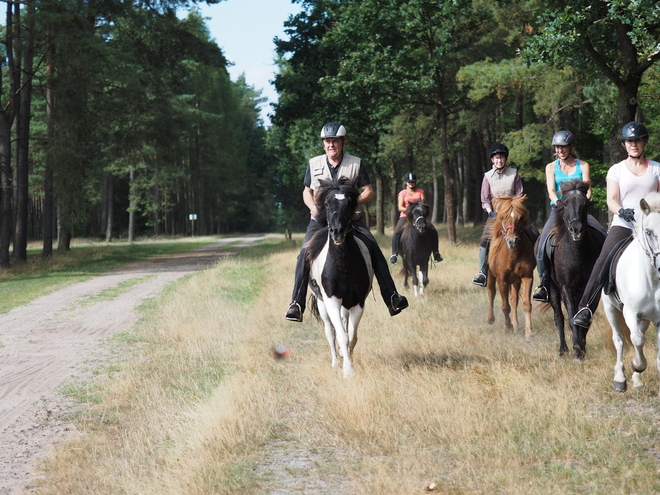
563 138
333 129
498 148
634 130
410 177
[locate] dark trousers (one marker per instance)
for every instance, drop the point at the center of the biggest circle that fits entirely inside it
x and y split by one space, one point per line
381 270
591 295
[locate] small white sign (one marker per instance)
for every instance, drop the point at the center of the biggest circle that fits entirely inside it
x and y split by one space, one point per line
192 216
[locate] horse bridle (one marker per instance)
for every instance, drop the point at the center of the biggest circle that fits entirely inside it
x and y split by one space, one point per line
646 246
416 222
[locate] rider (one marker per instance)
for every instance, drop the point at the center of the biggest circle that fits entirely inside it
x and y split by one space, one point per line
411 194
333 165
566 167
499 181
627 183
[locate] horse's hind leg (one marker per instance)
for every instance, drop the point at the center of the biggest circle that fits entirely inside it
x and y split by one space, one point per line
490 284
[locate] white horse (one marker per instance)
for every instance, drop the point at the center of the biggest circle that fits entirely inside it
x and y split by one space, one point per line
638 291
341 272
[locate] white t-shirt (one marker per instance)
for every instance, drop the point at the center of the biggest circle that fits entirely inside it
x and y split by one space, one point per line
633 188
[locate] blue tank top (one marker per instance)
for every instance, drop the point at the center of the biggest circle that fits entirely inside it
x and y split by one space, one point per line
560 176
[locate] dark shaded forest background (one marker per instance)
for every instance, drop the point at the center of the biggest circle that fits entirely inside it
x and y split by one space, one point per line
119 118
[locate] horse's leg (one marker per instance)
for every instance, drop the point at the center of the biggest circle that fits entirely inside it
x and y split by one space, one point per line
637 328
615 318
344 339
355 315
415 280
339 318
505 289
329 331
527 284
490 284
425 273
555 300
514 294
579 333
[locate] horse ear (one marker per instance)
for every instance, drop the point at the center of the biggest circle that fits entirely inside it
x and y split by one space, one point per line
644 206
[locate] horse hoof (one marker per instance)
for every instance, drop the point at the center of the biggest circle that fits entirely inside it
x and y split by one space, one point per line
490 320
529 338
619 386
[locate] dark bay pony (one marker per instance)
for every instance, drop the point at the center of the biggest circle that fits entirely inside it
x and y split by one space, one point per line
511 262
417 244
341 273
575 248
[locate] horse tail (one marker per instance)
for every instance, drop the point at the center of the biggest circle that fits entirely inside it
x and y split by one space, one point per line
313 308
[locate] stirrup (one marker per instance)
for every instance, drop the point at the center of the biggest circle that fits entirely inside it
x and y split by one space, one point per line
294 313
480 279
393 259
540 294
583 317
437 257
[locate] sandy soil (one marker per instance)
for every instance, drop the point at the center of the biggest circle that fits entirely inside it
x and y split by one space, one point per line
61 338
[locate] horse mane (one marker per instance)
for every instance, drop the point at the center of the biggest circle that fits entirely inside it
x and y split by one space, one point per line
504 205
343 185
560 229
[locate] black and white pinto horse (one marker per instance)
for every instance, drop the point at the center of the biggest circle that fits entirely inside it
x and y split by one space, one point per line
341 272
635 302
576 248
416 246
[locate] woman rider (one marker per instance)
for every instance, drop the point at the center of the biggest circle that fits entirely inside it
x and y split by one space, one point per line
627 183
499 181
411 194
566 167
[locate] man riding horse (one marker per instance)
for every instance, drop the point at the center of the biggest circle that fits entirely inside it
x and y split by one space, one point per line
331 166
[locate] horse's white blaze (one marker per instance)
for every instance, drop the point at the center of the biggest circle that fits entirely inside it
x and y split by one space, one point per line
340 324
638 287
340 196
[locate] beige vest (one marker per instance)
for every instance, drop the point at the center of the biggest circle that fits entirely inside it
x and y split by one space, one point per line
318 168
502 184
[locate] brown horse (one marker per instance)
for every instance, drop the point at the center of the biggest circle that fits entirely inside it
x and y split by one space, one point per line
511 262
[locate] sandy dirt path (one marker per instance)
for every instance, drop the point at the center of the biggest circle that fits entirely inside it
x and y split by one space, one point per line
63 337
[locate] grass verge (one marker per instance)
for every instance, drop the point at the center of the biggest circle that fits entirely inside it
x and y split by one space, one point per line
440 400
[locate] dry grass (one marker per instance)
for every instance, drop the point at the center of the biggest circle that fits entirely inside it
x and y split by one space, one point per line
439 397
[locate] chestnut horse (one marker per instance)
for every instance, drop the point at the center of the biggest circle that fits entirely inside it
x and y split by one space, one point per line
511 262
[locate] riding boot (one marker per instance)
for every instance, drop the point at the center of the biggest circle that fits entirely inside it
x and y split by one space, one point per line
541 292
394 301
482 276
297 306
396 239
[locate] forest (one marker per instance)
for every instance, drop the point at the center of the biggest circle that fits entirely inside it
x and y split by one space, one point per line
119 118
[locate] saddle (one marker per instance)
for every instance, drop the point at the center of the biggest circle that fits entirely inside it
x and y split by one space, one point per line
607 277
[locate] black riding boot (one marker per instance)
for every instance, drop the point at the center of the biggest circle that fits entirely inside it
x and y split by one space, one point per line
396 240
297 306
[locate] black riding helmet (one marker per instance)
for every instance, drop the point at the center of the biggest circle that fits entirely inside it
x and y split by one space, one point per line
634 130
333 129
563 138
410 177
498 148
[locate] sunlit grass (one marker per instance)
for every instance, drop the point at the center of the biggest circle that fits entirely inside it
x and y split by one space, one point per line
440 397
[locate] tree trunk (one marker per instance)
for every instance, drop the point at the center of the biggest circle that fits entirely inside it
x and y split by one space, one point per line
111 208
131 206
23 143
49 217
380 205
